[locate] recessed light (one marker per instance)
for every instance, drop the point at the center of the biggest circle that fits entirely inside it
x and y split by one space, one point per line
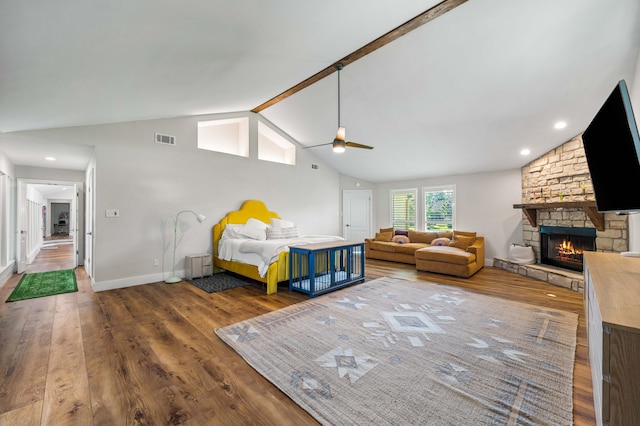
525 151
560 125
50 158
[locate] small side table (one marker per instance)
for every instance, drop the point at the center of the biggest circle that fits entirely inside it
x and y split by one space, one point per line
198 266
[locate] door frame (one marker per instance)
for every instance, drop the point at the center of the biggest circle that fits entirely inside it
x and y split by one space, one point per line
22 217
89 214
21 233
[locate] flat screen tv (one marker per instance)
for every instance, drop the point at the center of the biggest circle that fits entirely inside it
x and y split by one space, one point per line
612 144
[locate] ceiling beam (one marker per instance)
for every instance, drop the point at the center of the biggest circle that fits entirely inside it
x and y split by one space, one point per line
416 22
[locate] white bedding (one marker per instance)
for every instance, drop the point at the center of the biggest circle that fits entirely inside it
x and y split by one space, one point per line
262 253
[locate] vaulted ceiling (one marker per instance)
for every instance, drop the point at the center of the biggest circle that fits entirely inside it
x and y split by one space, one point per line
463 93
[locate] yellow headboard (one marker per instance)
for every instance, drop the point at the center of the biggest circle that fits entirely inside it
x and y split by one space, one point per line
250 209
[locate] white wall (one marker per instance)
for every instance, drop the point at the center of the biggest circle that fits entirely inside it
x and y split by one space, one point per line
149 183
484 204
7 228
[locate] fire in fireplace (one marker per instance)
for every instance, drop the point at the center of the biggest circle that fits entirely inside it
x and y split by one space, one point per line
564 246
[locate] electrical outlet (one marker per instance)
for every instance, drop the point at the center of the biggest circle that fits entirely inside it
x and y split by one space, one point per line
112 213
156 262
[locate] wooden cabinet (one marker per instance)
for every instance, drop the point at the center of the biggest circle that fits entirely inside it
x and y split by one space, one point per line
612 309
198 266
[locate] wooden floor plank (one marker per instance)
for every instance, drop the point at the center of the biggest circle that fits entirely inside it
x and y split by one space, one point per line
25 353
148 355
66 398
109 399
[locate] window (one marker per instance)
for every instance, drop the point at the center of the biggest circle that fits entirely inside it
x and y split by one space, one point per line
230 136
439 208
403 208
273 147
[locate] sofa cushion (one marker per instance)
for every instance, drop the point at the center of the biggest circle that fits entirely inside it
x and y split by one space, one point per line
461 241
422 237
445 234
464 233
384 236
446 254
385 246
409 248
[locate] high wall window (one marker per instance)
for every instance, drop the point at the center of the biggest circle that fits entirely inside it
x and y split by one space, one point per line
403 208
274 147
230 136
439 208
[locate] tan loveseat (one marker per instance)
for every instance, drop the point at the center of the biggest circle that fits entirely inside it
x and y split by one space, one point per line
453 253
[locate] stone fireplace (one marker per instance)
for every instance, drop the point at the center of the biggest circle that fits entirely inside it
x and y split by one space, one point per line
557 192
564 246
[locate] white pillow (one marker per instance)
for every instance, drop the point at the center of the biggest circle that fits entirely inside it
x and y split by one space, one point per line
282 233
255 229
231 231
281 223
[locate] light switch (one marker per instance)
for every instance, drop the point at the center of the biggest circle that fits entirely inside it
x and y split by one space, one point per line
112 213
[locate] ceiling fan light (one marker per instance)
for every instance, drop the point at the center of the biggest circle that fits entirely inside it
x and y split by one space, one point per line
341 134
338 146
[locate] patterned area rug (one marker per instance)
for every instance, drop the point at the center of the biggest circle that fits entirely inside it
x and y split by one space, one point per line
397 352
218 282
42 284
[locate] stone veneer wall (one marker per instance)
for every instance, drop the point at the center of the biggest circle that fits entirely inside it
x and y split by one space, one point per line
562 174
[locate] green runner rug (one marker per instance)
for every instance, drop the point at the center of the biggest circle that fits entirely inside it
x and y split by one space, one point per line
42 284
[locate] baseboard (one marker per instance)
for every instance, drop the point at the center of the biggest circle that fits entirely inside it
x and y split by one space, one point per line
6 272
130 281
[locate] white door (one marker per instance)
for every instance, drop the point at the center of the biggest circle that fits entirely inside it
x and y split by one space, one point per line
356 214
22 227
88 224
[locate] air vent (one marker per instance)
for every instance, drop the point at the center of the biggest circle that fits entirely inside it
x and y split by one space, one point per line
315 166
165 139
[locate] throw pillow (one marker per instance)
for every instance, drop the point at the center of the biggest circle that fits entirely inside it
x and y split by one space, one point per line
401 232
281 223
254 229
386 230
282 233
231 232
461 241
441 242
384 236
400 239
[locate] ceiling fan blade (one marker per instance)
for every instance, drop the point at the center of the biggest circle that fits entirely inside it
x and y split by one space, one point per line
313 146
358 145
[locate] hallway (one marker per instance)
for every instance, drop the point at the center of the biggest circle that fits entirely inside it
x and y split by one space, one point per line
55 255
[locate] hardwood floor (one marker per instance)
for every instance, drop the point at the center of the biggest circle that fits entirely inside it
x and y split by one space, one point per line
148 354
54 256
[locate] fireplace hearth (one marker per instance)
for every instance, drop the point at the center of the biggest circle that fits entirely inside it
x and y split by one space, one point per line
564 246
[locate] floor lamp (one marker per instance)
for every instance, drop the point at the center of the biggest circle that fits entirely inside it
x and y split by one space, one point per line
201 218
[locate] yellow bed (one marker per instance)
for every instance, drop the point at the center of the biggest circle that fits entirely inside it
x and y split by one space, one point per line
278 271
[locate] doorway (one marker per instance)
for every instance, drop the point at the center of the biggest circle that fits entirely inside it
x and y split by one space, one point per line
48 223
356 214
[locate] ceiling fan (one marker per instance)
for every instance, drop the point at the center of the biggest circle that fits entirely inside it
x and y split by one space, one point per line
339 143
